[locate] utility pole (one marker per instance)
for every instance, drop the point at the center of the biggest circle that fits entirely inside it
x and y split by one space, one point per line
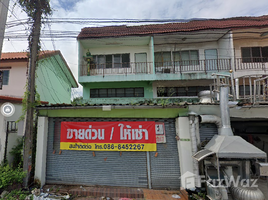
29 127
3 16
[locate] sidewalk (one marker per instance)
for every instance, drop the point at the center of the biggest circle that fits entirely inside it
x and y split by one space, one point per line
114 193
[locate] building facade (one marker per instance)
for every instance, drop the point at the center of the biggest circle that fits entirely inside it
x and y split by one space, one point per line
155 73
54 83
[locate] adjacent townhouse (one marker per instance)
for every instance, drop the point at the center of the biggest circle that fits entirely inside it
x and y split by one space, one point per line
54 82
154 73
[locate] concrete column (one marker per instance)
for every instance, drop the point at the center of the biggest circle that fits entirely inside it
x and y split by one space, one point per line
185 152
41 150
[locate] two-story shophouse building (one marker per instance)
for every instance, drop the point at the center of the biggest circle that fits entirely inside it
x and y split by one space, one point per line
153 73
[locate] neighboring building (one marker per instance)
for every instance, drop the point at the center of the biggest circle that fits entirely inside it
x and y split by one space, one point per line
54 81
154 73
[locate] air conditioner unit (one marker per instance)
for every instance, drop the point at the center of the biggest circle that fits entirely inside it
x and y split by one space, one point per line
166 71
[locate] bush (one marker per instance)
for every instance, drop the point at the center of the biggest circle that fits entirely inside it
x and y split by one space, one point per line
16 195
10 176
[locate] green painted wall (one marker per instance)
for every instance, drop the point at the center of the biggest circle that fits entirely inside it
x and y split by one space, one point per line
134 112
53 82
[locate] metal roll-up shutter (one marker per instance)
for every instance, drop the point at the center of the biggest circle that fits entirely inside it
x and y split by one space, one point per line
81 167
165 167
207 131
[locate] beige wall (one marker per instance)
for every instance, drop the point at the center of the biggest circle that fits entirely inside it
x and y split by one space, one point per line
17 79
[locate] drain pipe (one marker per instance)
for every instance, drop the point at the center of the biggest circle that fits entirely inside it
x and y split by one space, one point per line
225 113
194 123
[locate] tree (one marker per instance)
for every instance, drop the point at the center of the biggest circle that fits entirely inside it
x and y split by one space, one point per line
35 9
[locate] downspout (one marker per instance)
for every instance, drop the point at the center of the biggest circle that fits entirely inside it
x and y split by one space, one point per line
194 127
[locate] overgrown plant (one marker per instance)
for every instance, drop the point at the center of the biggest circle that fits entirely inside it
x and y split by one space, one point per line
16 195
16 152
10 176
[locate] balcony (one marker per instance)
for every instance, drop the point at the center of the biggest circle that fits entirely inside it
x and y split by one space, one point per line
258 64
117 69
193 66
160 68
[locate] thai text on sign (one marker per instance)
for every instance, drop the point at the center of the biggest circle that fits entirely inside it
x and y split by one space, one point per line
108 136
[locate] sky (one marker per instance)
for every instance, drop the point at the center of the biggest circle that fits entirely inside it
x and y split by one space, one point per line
64 34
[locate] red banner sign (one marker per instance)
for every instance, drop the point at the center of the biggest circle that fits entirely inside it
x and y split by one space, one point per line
108 136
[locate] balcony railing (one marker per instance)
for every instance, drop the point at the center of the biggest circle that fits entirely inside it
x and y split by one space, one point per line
117 68
193 66
160 67
251 64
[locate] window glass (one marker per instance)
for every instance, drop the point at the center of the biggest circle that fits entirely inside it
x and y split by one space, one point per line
109 61
94 93
102 93
192 91
264 52
246 56
111 93
5 77
194 57
172 92
117 61
161 92
166 58
101 62
120 92
139 92
129 92
256 54
185 57
125 60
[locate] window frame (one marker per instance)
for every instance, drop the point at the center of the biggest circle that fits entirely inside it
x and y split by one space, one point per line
111 63
180 91
251 51
161 62
116 92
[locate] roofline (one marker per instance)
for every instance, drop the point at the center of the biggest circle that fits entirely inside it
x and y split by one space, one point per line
18 99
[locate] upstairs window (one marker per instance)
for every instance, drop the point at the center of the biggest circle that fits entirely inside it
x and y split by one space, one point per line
116 92
5 77
254 54
189 57
111 61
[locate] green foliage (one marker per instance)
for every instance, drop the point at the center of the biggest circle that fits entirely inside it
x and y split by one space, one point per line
25 102
30 7
16 152
16 195
77 100
10 176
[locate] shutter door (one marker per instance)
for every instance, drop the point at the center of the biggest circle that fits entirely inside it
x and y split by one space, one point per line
207 131
81 167
165 168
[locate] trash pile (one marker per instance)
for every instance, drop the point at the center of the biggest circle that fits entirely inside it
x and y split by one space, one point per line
39 194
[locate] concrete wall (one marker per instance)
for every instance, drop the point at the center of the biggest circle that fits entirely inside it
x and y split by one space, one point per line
13 137
17 79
